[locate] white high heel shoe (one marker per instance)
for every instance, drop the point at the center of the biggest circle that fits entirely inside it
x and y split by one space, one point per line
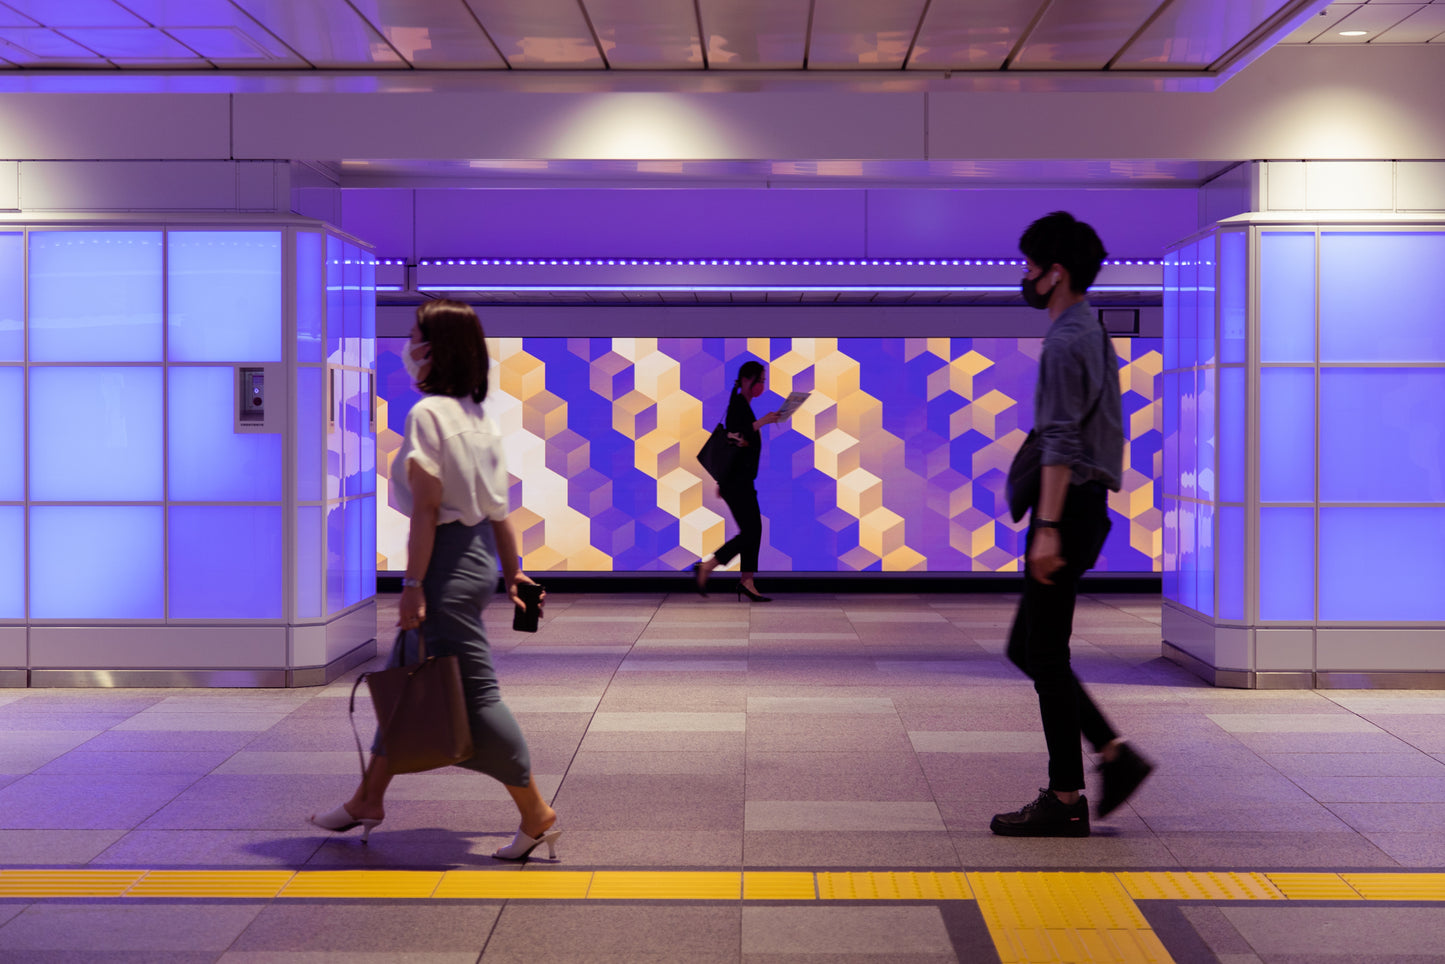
340 821
523 845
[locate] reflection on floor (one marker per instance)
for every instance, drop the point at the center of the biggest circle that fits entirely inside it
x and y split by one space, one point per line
806 780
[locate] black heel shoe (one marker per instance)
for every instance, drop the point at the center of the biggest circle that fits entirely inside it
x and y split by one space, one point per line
755 597
699 579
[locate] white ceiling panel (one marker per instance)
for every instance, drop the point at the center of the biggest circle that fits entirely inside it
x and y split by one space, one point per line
237 46
1374 19
1083 36
647 34
77 13
971 34
1320 22
432 33
1196 33
861 34
131 43
328 33
1425 25
38 46
755 34
539 34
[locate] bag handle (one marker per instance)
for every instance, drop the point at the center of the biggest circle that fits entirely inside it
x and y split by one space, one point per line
421 658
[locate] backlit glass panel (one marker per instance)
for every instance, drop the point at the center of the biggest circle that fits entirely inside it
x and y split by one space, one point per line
1189 306
1230 559
351 304
97 562
1171 310
310 296
1204 564
1233 278
1170 549
12 297
209 460
1381 437
224 301
1287 297
1189 554
1207 300
95 295
355 547
368 310
1205 440
1373 307
96 434
12 434
336 557
351 429
12 562
1382 564
226 562
310 425
310 563
1287 435
1233 434
1287 564
335 316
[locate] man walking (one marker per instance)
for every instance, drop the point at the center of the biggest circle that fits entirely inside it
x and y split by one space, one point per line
1079 420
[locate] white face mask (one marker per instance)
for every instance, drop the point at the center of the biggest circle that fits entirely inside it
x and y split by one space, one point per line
413 367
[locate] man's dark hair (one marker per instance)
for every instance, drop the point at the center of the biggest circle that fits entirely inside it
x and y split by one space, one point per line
459 360
1061 239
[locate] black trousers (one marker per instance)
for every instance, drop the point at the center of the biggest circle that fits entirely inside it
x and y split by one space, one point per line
1039 640
742 502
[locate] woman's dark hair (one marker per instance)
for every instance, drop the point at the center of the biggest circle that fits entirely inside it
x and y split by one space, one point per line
1059 238
749 370
459 360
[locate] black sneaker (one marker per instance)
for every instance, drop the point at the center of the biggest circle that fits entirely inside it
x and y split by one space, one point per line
1122 776
1045 817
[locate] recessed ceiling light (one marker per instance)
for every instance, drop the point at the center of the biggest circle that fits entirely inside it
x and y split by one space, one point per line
1353 33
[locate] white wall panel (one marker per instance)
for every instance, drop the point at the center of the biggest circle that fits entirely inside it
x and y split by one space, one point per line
157 647
9 185
12 646
1420 186
128 185
1284 649
589 126
1349 185
1380 650
1284 186
114 126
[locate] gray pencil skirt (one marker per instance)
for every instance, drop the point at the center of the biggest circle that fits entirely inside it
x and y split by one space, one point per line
460 579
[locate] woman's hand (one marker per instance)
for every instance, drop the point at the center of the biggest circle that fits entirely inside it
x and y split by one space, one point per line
737 440
769 419
1045 555
520 577
412 609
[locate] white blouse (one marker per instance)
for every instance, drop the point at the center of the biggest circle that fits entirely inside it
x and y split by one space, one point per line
452 440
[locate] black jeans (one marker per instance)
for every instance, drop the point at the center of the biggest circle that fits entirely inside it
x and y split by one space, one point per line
742 502
1039 640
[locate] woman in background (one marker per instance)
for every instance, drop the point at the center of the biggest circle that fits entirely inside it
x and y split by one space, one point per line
451 479
739 490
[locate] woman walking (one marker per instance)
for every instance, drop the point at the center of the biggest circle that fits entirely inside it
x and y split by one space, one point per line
451 479
738 489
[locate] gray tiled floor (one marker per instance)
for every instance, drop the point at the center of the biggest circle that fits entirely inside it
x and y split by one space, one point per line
818 733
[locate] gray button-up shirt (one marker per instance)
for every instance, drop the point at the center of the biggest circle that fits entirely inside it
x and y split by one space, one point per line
1079 365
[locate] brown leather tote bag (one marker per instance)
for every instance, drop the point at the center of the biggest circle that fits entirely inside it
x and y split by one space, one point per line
421 712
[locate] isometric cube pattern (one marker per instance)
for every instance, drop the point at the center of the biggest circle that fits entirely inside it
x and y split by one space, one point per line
896 462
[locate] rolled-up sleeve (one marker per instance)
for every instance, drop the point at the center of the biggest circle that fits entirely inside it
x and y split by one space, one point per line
1061 402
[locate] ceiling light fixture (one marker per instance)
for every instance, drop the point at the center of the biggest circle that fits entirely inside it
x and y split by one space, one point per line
1353 33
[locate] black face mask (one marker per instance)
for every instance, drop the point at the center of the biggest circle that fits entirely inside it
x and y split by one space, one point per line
1032 297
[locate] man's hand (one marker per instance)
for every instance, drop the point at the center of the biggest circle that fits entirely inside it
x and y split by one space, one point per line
1045 555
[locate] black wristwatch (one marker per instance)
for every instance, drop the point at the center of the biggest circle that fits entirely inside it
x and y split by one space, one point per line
1045 524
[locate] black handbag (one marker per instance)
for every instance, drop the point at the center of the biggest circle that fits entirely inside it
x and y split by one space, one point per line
718 454
1025 472
421 711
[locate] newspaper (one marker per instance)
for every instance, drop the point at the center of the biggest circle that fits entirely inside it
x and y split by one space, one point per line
793 402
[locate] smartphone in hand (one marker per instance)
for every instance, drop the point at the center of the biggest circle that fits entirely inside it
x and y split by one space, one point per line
525 620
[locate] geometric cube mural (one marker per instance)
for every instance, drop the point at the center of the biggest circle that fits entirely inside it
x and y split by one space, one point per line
896 463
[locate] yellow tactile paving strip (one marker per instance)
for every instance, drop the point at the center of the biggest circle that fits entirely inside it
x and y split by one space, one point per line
1035 917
